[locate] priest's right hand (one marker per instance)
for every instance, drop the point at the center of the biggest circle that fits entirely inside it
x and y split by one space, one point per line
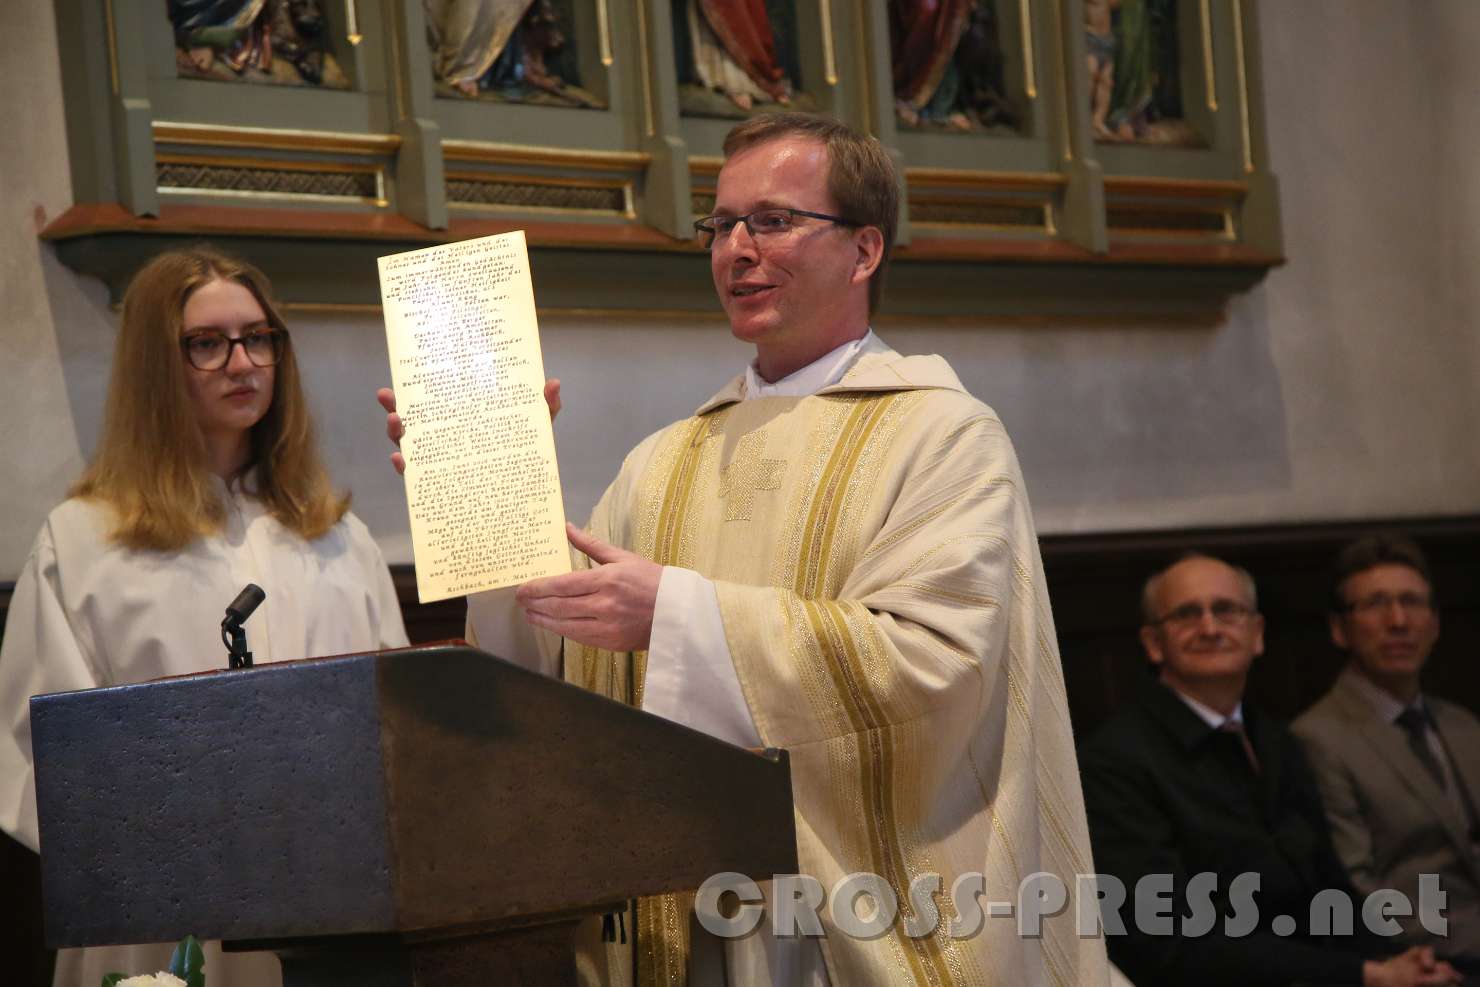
394 429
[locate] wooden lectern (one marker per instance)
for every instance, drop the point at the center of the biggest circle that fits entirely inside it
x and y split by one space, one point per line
429 816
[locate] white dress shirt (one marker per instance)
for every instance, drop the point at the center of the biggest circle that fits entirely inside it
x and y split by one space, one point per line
1211 716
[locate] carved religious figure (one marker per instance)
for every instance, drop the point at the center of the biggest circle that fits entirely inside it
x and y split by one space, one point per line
948 66
1135 89
274 41
735 57
505 50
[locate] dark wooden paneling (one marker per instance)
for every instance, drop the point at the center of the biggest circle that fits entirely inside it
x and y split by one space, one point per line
22 954
427 622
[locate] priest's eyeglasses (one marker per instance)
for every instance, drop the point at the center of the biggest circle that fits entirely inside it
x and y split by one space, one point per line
211 350
1226 612
762 223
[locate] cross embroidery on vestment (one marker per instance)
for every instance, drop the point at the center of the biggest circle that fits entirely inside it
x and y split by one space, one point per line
747 474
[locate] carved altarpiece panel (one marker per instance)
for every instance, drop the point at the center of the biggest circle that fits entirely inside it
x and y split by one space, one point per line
596 125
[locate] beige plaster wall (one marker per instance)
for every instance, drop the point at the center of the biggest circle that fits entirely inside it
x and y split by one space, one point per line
1343 387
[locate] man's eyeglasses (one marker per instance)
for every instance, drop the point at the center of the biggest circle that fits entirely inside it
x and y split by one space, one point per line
1227 612
1413 604
761 223
211 350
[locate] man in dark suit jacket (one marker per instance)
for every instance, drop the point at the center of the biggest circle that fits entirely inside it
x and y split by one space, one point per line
1398 770
1188 781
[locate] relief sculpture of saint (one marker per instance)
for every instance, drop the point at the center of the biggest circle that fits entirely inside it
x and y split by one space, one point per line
1135 85
511 51
282 42
736 58
948 66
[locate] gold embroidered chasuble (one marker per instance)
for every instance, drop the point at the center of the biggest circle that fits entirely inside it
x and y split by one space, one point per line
884 604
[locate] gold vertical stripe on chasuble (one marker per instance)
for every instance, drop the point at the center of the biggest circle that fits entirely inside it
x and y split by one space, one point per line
589 657
833 626
823 562
662 945
822 518
669 543
602 670
663 940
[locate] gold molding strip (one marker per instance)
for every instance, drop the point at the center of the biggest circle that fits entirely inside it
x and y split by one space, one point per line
829 52
962 178
1243 85
1207 47
486 152
604 32
400 82
1176 188
272 197
1030 74
1063 89
270 164
866 78
352 23
705 165
112 28
211 135
649 110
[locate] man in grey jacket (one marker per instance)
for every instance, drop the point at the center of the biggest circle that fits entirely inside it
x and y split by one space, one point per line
1398 770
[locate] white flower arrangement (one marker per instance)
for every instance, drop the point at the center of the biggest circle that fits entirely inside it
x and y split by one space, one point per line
187 969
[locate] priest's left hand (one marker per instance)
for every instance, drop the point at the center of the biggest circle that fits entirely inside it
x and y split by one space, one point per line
607 606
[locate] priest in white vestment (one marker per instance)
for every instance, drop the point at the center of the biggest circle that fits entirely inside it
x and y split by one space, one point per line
833 555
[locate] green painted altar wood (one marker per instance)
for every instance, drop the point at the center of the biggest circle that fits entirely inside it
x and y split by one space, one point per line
311 184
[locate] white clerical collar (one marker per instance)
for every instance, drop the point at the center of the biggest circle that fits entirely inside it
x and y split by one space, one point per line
1211 716
1387 706
825 371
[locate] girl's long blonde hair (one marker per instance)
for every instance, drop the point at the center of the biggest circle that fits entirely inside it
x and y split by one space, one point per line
151 466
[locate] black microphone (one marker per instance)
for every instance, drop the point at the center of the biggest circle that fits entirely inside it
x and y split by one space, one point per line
245 604
232 635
